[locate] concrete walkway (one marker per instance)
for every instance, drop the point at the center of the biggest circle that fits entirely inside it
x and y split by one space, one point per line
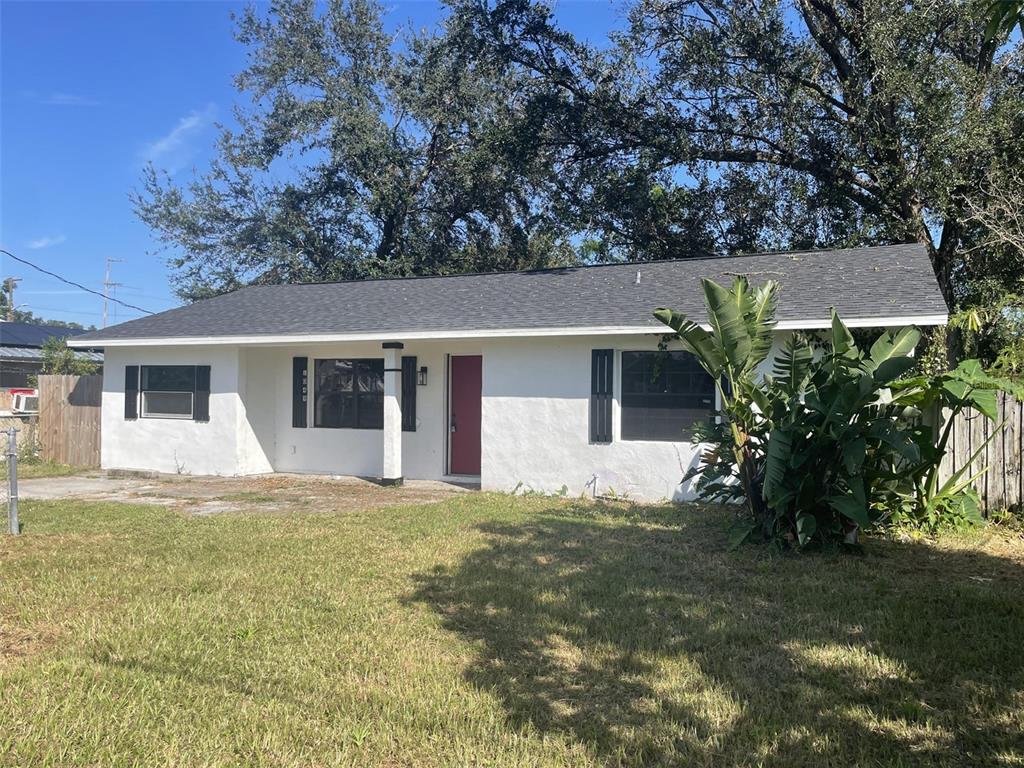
211 495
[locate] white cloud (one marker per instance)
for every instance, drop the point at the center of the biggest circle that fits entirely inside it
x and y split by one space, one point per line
46 241
174 149
59 99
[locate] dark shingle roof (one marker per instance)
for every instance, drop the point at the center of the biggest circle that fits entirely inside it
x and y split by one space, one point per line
35 354
889 281
32 334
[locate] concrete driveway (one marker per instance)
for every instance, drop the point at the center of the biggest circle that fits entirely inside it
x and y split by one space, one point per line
211 495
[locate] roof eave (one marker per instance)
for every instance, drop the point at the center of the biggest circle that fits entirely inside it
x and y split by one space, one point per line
892 321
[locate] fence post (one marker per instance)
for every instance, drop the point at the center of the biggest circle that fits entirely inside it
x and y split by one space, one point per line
12 479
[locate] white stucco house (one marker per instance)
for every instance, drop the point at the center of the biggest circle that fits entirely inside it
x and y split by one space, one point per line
542 380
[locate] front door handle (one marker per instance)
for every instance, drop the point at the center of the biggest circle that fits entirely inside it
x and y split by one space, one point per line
452 427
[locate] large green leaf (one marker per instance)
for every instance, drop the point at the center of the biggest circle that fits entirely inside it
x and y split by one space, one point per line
890 346
806 525
695 339
742 325
760 398
971 373
842 340
726 316
792 366
969 370
761 323
740 532
967 505
777 459
892 368
853 455
984 400
956 390
852 504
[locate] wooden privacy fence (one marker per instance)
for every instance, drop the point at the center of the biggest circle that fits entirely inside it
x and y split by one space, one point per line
69 419
1003 485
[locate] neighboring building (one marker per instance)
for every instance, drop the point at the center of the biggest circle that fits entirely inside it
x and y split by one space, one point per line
21 353
542 380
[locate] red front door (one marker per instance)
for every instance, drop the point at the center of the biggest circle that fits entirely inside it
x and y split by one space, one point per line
467 380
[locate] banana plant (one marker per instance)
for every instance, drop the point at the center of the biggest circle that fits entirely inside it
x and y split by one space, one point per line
738 339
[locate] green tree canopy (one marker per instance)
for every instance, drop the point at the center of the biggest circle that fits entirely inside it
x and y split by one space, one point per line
795 124
359 155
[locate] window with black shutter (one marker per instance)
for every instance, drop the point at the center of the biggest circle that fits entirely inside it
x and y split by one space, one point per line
663 395
168 392
408 394
601 365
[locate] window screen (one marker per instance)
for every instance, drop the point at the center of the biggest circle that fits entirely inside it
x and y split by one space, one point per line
663 395
349 393
169 405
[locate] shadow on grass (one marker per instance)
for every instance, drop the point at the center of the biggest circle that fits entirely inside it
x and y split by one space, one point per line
654 645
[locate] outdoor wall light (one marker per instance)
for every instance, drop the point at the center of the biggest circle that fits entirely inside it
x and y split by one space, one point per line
423 376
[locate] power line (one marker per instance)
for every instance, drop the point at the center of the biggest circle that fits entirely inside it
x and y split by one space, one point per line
72 282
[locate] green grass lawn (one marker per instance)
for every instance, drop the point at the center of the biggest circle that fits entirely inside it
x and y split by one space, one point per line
489 630
31 471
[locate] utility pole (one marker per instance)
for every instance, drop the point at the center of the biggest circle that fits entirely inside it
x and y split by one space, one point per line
107 285
9 284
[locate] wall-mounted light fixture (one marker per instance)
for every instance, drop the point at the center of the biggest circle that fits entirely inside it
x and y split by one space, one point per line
422 377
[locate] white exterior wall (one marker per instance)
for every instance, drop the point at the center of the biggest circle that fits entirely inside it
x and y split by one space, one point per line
250 429
535 419
225 445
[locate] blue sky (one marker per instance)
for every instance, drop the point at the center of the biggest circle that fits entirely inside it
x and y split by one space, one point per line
89 92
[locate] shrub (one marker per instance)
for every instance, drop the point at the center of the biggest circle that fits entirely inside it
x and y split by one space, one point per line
58 358
832 440
930 504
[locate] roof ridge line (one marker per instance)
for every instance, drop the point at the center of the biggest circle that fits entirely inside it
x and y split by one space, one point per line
541 270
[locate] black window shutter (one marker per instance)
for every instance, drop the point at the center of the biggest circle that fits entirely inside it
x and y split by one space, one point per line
601 396
131 391
408 394
300 391
201 400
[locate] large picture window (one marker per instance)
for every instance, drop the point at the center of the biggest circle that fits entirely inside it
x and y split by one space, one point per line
349 393
168 391
663 395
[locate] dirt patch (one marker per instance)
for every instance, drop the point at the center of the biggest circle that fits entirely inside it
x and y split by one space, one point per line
260 493
17 643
